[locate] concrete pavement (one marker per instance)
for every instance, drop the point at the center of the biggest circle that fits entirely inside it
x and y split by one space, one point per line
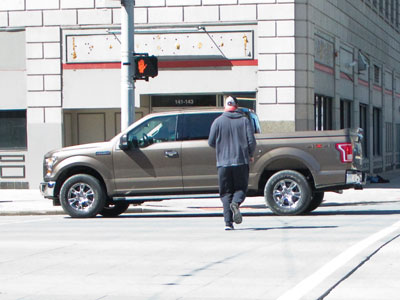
371 277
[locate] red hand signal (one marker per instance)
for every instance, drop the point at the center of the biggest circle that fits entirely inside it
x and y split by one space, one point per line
142 66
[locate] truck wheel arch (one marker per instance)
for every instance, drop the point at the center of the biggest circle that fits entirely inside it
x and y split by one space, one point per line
75 170
286 159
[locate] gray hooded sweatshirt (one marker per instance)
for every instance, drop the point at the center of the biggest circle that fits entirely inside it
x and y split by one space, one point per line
232 135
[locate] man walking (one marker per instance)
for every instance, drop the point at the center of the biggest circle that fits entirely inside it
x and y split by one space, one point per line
232 135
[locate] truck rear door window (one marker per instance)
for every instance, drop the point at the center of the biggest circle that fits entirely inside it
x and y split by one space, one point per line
197 126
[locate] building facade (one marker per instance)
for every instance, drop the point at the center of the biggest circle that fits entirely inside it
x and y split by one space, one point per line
301 64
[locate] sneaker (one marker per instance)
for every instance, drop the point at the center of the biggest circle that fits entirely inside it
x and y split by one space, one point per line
229 227
237 216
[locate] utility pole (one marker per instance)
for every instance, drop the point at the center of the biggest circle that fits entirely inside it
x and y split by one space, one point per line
127 64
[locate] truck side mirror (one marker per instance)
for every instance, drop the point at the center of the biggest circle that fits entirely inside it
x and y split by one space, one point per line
123 142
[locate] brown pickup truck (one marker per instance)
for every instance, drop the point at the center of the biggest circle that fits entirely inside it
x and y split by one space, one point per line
166 156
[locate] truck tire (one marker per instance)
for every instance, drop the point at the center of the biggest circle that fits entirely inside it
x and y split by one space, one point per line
287 193
82 196
316 200
114 209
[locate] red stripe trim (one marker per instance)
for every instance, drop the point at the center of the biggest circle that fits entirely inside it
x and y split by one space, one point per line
167 64
114 65
397 95
345 76
324 68
389 92
363 82
377 88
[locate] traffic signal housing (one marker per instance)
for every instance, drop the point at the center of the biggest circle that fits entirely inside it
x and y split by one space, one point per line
146 66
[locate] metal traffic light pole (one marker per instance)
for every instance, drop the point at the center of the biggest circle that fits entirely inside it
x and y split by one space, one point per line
127 64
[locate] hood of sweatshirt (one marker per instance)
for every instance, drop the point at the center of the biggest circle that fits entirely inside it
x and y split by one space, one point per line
233 114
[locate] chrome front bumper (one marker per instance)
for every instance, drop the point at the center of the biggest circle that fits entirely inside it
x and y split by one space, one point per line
354 177
47 189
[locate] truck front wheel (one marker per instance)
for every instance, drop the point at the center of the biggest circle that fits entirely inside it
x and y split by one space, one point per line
316 200
288 193
82 196
114 209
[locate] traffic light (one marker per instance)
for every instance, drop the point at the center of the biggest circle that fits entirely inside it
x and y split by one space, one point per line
146 66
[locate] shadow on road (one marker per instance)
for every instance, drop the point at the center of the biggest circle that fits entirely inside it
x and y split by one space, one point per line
288 227
355 213
327 204
259 214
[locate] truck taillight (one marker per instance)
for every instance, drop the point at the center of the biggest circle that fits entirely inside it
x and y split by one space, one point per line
346 152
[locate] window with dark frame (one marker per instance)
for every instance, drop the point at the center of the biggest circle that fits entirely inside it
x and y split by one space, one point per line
377 137
392 11
387 9
13 129
389 136
345 114
323 112
364 126
377 77
397 137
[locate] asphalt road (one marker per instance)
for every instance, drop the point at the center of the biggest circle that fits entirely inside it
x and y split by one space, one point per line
341 251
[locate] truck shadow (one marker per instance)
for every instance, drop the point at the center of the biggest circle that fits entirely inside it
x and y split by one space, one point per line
260 214
355 212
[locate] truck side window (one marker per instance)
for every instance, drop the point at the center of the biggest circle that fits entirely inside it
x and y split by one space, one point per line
197 126
155 130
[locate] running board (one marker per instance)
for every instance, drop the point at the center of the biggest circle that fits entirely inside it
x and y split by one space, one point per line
165 197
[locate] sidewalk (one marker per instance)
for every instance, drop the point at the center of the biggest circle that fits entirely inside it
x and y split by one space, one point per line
31 202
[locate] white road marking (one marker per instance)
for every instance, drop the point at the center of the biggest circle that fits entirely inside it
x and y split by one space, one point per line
25 221
315 279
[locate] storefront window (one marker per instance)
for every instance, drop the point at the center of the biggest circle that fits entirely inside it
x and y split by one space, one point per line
12 129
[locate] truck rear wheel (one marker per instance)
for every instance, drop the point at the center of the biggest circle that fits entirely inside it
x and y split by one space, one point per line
288 193
82 196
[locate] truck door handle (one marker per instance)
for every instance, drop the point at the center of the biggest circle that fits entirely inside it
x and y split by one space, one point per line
171 154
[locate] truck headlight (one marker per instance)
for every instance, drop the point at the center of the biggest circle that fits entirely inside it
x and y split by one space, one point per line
49 164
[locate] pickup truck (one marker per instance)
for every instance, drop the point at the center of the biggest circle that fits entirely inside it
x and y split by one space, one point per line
166 156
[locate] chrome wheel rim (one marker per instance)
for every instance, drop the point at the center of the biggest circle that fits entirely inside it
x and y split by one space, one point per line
81 197
287 193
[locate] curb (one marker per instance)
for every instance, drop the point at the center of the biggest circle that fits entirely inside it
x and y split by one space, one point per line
61 212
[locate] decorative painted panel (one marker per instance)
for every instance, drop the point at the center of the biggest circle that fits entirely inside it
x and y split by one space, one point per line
324 51
107 47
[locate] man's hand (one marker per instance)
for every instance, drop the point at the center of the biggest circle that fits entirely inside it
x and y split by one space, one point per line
251 159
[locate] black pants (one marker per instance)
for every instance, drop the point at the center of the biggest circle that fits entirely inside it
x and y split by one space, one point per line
233 182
